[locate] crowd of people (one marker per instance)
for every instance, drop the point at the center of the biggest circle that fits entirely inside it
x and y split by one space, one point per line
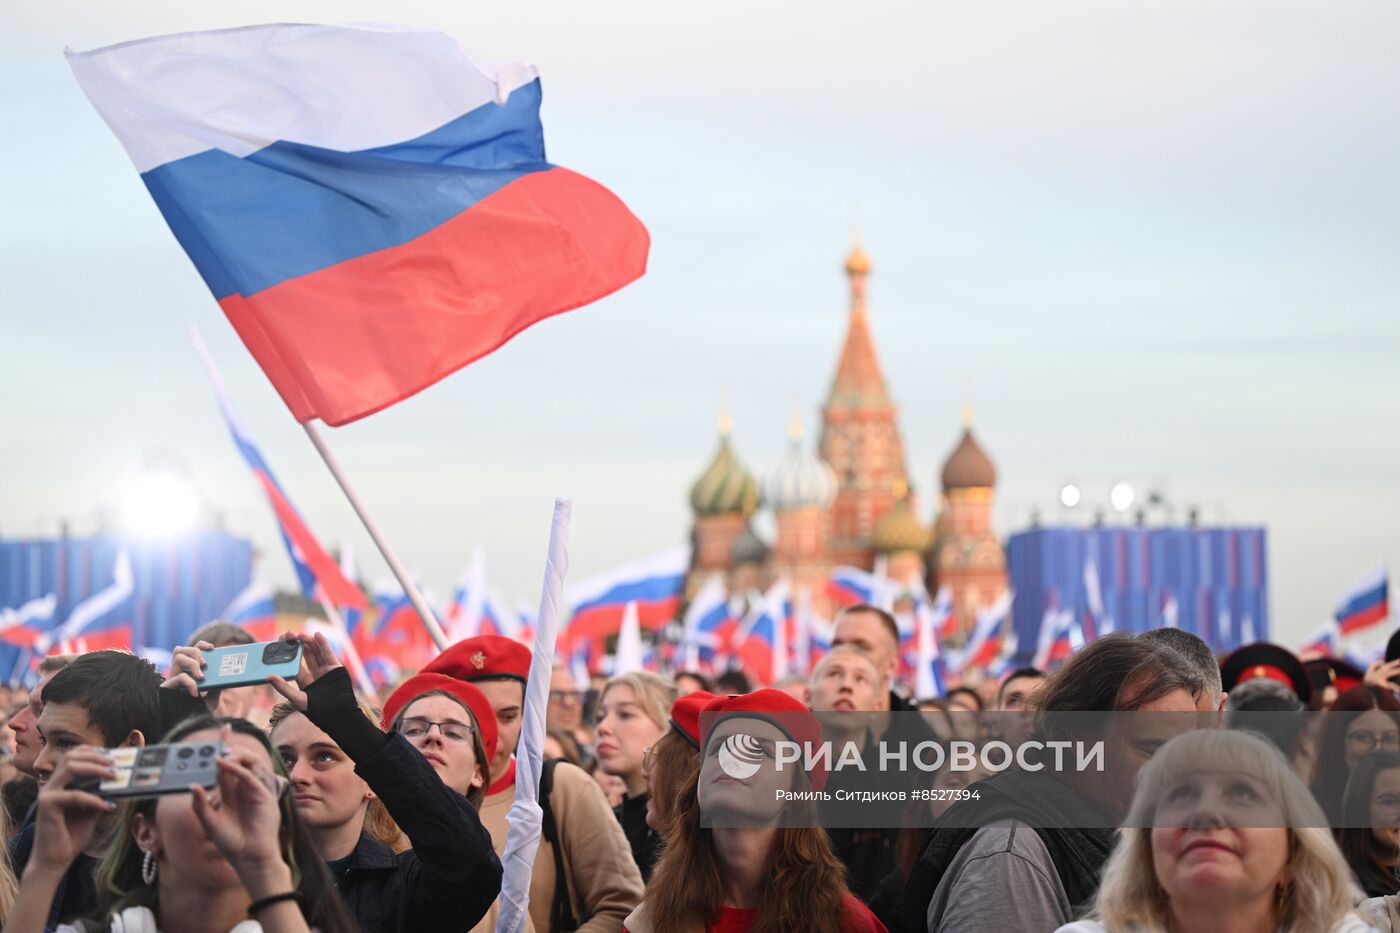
333 812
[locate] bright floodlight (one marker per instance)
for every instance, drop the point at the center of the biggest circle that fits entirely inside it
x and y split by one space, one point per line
1069 496
1121 496
159 504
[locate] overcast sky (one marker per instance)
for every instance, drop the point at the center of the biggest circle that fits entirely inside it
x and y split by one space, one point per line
1158 241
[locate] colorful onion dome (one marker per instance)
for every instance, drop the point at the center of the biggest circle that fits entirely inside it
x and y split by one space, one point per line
899 529
800 478
968 466
725 488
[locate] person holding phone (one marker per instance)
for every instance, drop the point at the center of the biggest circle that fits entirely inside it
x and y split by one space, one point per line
344 768
204 861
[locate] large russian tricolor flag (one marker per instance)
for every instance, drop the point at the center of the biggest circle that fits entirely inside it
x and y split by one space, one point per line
370 205
1365 604
103 620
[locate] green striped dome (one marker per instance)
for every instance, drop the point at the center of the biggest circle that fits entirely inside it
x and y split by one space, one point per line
725 488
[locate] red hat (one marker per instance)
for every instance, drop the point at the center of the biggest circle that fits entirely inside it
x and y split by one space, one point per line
774 706
474 699
481 658
685 714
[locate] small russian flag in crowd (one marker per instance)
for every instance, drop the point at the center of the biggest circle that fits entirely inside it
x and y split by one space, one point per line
370 205
1325 642
708 625
985 643
1365 604
655 584
20 628
320 576
851 586
929 677
1060 636
762 646
255 610
103 620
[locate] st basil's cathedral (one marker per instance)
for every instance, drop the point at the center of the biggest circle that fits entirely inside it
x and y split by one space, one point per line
849 501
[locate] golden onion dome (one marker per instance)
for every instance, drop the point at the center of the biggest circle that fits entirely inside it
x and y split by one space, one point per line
725 488
899 529
857 261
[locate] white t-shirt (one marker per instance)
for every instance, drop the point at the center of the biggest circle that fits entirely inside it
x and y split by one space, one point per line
1351 923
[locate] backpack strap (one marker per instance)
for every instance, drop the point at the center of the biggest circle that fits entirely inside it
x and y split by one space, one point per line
561 910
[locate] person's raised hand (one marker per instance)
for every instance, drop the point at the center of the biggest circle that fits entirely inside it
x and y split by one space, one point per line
317 660
66 818
1384 674
243 820
187 667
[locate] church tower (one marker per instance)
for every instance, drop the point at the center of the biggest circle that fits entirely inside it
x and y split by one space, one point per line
722 499
859 437
967 556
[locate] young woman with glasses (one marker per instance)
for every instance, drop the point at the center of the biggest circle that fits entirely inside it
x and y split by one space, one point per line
1360 721
358 787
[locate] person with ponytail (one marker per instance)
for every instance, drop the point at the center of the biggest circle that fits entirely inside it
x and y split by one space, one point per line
404 843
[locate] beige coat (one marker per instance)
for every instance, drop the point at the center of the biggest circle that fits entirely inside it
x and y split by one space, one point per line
597 856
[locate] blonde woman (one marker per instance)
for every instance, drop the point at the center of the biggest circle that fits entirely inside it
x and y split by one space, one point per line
1223 836
634 711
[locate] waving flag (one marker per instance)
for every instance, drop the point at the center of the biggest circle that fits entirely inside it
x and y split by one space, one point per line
1099 622
850 586
655 584
762 645
707 626
1324 642
321 577
1060 637
929 679
984 645
103 620
370 205
19 630
255 611
397 635
1365 604
627 656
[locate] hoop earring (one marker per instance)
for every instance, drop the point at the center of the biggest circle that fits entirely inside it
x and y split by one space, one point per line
148 869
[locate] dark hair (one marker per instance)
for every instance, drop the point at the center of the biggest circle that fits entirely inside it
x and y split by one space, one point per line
222 634
573 754
18 794
120 692
732 682
1330 774
1270 709
1369 860
1113 673
1195 651
118 873
976 697
886 620
705 683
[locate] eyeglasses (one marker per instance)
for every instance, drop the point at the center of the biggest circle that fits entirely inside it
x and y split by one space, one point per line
1366 742
453 731
566 696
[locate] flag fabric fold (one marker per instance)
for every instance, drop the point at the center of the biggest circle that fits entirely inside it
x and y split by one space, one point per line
370 205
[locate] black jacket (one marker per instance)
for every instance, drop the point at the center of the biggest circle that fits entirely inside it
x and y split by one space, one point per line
645 842
451 876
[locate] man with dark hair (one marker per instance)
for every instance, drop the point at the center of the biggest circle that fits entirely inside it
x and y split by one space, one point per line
1200 656
873 631
1027 855
1016 690
107 699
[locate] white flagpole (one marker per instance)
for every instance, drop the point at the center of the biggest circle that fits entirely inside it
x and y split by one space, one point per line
525 816
420 604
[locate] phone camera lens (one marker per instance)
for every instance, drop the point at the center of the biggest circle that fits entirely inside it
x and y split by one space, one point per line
185 752
206 751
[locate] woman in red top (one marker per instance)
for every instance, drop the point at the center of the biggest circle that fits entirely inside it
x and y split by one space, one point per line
747 874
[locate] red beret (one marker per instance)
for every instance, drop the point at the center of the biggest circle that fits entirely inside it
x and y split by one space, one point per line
481 658
685 714
474 700
774 706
